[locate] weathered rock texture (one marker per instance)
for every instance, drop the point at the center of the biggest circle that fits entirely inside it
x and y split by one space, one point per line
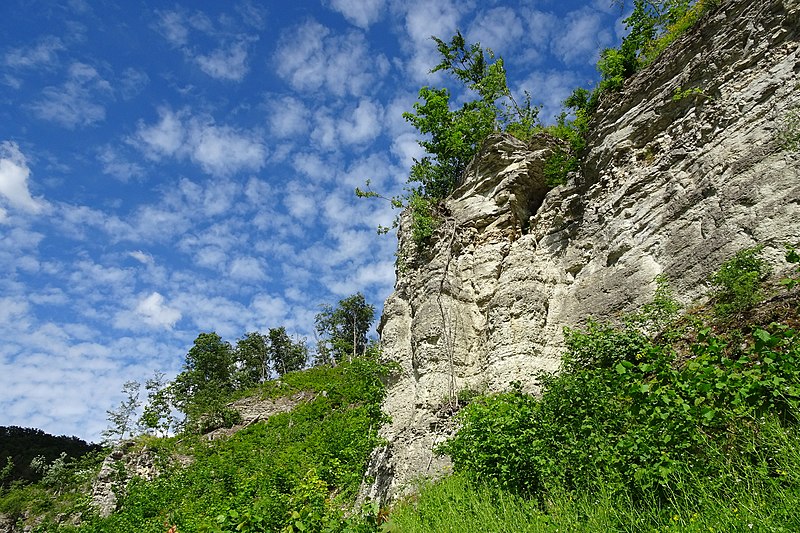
668 186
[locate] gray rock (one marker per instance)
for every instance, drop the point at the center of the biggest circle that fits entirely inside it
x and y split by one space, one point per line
668 186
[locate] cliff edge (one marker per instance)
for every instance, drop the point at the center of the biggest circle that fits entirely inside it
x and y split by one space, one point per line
684 167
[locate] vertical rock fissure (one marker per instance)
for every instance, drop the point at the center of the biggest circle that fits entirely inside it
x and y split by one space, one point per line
448 333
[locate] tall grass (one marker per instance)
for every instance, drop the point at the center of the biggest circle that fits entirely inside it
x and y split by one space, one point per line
745 497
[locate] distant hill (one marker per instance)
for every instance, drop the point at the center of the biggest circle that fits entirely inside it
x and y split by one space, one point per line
23 444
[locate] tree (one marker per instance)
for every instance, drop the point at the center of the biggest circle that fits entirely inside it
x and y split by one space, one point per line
121 420
343 329
207 378
453 137
252 359
286 355
157 414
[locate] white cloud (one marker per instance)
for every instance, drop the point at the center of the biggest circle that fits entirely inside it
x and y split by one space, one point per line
582 38
550 89
541 26
424 19
362 13
301 203
311 58
77 101
228 60
155 312
118 167
14 174
219 150
143 257
288 117
228 64
43 53
247 269
364 126
499 28
164 138
172 26
132 83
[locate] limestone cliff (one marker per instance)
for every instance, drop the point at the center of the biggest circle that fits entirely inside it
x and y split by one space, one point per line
668 185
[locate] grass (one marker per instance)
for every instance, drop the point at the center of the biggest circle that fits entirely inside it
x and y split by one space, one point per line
750 501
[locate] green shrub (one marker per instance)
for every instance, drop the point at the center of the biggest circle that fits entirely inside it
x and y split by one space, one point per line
626 415
789 131
737 283
792 257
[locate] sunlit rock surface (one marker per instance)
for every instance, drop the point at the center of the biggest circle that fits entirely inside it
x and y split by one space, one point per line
673 186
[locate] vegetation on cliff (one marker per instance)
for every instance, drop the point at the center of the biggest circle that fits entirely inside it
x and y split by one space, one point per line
451 136
660 422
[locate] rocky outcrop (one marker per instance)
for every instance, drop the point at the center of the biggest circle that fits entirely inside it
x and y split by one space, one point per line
125 462
254 409
669 185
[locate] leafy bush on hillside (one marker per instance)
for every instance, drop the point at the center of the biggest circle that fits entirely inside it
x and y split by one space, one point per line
627 413
737 283
295 471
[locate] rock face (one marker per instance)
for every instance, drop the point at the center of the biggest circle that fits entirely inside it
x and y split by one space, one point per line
673 186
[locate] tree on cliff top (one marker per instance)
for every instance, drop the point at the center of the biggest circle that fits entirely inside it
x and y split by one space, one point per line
343 329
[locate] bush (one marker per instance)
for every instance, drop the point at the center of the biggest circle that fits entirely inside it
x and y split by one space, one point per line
628 416
737 283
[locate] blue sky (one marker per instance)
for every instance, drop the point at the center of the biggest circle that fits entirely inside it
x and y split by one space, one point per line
169 168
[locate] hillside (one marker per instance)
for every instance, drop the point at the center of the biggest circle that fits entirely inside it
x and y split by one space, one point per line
618 352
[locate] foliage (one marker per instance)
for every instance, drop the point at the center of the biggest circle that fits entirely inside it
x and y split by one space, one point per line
287 355
21 445
202 388
792 257
627 415
691 92
295 471
252 355
157 413
452 135
460 504
122 420
789 131
737 283
343 329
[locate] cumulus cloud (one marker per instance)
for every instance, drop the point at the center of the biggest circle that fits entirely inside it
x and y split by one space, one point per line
361 13
311 58
582 38
117 166
228 59
225 63
288 117
155 312
222 150
143 257
44 53
550 89
424 19
78 101
247 269
163 138
364 124
219 150
132 83
499 28
172 25
14 174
